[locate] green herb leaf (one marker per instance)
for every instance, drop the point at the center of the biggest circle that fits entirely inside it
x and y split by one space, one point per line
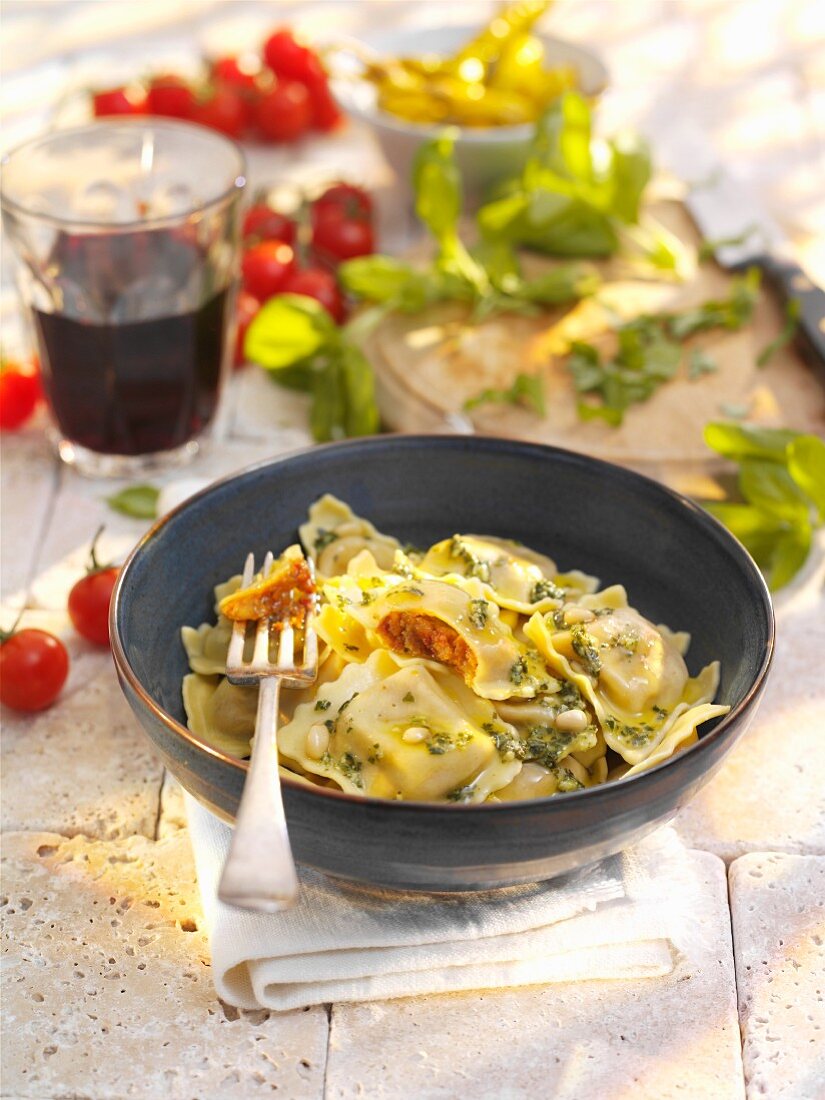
738 441
792 311
769 486
700 363
709 246
782 478
138 501
527 390
806 465
361 417
288 329
730 313
385 280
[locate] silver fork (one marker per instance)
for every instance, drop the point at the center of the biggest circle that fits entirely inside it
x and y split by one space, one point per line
259 872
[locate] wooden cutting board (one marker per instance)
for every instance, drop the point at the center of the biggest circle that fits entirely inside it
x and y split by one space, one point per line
428 365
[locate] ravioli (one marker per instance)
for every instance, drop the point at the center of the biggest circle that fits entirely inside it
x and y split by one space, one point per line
633 677
473 671
439 621
393 732
511 575
333 535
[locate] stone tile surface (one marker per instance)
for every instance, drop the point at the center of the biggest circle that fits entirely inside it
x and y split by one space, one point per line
29 482
80 508
657 1039
84 765
778 912
107 992
768 794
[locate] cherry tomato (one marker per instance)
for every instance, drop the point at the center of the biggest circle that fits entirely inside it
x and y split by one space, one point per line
89 602
241 72
266 267
246 308
20 392
90 597
171 97
265 224
119 101
33 668
325 113
336 237
224 110
320 285
291 60
354 201
284 113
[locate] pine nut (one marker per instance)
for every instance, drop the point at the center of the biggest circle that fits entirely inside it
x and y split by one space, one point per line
317 741
572 721
415 734
575 614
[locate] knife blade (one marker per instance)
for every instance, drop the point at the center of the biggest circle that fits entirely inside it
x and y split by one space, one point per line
743 235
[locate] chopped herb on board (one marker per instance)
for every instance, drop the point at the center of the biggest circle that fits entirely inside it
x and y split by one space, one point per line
650 352
792 311
527 390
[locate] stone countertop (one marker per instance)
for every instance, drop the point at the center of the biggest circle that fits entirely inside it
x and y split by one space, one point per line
106 980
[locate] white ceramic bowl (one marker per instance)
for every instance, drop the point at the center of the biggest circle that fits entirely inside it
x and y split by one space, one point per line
485 156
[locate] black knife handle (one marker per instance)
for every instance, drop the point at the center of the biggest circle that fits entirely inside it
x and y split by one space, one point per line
789 281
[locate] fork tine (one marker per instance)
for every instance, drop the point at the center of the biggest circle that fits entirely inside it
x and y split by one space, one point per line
260 657
310 648
286 647
234 655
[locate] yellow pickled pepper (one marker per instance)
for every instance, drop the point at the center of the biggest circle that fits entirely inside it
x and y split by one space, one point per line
496 79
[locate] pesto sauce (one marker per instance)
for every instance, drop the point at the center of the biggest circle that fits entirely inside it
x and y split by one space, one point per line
585 647
544 589
479 610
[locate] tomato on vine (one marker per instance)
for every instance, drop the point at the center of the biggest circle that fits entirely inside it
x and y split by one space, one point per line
90 597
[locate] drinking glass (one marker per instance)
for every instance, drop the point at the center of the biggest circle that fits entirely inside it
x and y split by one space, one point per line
127 237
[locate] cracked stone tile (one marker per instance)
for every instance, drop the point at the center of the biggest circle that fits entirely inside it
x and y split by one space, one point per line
107 987
739 811
84 765
778 911
656 1038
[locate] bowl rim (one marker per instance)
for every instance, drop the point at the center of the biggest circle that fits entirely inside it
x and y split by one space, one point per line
490 444
471 135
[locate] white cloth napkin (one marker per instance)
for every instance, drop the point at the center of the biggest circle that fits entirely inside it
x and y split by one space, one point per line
622 918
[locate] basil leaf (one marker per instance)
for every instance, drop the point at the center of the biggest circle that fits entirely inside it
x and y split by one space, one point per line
384 279
632 169
361 416
437 183
730 313
738 441
138 501
288 329
806 465
565 283
527 389
789 555
769 486
328 413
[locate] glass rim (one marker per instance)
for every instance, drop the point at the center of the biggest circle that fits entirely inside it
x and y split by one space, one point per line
155 122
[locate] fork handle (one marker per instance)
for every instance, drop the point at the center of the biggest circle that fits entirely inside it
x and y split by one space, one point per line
259 872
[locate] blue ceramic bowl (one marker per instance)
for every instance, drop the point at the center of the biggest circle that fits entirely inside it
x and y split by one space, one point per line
678 564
